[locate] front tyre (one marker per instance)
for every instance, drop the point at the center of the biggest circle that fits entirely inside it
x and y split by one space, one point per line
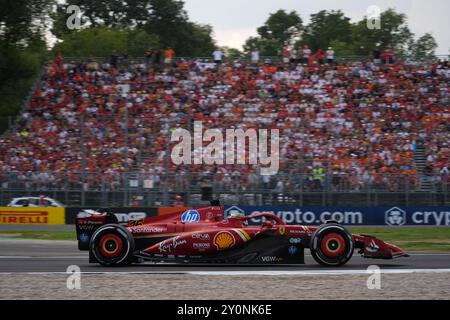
332 245
112 245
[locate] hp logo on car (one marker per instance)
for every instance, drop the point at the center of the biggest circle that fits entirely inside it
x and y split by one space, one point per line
395 217
190 216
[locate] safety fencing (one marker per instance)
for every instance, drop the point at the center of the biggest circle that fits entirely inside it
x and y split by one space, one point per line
364 216
75 189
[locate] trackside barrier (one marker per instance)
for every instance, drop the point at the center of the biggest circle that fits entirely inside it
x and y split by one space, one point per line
376 216
32 216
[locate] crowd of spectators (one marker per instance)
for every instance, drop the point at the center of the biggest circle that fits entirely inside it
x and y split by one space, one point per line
344 125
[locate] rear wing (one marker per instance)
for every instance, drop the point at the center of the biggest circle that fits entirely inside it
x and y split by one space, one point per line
87 222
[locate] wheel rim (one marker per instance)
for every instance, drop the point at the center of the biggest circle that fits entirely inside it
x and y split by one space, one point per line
110 246
332 245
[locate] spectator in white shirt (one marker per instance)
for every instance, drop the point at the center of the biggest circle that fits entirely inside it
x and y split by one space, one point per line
217 56
330 55
306 54
255 56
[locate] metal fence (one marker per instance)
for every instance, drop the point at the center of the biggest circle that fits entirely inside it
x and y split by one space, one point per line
247 58
138 189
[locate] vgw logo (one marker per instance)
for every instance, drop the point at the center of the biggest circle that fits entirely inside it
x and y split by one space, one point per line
190 216
395 217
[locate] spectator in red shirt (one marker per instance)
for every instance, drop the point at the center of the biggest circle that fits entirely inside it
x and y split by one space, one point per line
388 56
320 56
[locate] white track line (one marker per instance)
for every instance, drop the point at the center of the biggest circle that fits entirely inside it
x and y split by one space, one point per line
62 257
95 272
248 273
429 254
315 272
40 257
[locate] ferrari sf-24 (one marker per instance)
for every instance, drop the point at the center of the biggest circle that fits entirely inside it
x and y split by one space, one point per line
204 235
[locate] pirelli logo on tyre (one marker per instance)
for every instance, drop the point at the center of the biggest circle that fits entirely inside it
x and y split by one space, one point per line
32 216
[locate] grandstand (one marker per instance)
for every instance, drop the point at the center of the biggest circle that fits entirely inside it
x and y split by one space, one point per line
353 133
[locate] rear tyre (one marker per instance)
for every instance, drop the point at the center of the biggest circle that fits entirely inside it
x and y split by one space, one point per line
112 245
332 245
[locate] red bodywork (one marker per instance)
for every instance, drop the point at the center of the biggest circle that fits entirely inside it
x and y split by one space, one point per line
214 233
205 234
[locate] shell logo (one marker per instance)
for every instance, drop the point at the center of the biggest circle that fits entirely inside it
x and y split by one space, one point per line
224 240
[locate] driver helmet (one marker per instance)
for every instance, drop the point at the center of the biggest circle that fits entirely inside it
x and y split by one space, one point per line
236 214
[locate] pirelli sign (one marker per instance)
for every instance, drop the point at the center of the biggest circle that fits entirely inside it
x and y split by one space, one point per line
32 216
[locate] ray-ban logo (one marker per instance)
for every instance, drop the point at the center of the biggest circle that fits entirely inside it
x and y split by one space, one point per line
229 149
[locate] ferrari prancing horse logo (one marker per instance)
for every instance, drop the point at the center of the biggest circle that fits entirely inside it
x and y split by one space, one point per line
282 230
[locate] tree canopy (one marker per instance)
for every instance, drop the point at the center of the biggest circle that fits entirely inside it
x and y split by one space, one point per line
333 28
326 27
424 47
22 46
165 20
276 31
394 33
101 41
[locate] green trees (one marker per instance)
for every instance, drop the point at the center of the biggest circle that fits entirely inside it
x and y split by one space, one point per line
22 46
159 23
101 41
424 47
327 27
280 25
333 28
279 28
232 53
394 33
192 40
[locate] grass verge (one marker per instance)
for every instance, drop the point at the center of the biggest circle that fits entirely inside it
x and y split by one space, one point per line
39 234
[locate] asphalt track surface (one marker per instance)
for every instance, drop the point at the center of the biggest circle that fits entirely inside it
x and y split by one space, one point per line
30 256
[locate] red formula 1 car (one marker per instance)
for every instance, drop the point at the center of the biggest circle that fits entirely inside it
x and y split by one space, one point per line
205 236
